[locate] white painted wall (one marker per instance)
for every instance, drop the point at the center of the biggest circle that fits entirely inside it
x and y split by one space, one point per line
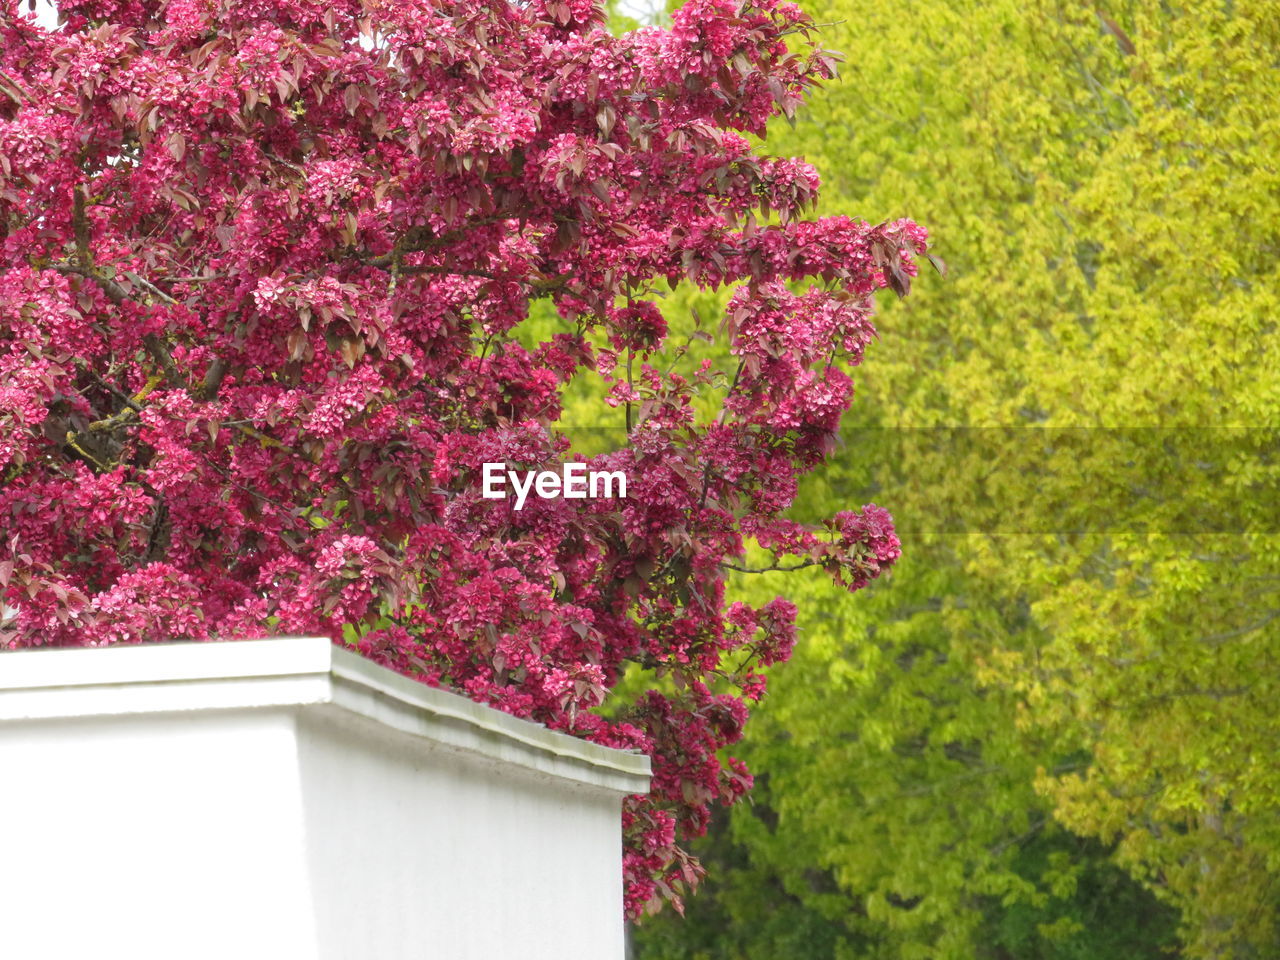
286 799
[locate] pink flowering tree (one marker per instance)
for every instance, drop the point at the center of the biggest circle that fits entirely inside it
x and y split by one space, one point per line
263 265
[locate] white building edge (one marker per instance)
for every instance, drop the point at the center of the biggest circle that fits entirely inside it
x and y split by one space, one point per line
286 799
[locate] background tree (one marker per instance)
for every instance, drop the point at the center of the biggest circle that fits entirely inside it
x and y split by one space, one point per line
265 267
1081 633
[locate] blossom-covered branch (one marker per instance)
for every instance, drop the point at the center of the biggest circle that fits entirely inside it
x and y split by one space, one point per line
264 266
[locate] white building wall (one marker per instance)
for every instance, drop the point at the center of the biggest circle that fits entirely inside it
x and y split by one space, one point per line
174 836
465 870
303 803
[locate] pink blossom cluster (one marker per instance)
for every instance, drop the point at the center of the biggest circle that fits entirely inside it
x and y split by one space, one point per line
264 269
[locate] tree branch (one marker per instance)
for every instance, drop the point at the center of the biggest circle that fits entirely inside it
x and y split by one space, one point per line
132 408
114 291
118 295
80 226
13 90
159 351
150 287
213 378
1219 639
776 567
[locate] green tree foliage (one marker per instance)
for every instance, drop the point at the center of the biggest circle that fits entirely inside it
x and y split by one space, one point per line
896 816
1068 686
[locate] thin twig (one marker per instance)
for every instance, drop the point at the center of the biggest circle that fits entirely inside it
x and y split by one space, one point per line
772 569
14 90
1219 639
